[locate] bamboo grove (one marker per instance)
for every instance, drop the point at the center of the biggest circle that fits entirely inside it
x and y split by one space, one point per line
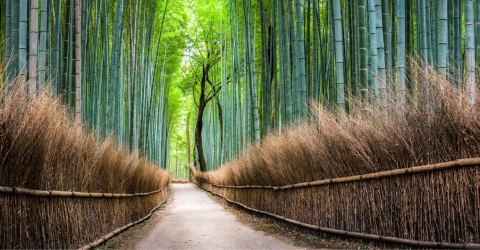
104 58
278 55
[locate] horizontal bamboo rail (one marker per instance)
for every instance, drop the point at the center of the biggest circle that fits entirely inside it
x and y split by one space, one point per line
121 229
54 193
426 244
376 175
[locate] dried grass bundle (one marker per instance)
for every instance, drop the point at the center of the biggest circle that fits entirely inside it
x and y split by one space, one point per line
41 148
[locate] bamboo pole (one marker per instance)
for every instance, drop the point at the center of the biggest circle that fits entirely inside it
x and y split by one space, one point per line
78 56
470 87
8 40
382 174
32 63
340 82
42 45
394 240
55 193
363 54
301 60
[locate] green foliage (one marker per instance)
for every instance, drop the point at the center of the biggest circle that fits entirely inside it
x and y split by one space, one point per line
353 50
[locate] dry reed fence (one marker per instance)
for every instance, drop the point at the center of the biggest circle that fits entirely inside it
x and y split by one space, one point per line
440 205
42 149
178 180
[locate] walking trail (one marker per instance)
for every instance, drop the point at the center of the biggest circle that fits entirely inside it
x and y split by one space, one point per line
193 220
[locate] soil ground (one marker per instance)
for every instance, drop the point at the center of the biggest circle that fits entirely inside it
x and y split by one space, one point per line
195 219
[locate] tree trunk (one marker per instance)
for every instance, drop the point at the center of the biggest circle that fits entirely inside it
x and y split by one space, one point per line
198 139
220 117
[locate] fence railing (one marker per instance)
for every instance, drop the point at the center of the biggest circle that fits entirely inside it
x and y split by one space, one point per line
56 193
376 175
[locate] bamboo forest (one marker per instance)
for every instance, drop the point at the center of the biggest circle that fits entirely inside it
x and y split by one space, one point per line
239 124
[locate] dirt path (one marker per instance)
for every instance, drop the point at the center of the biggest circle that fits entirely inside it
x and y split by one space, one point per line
193 220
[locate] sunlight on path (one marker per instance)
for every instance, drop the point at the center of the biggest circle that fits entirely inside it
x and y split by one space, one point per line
193 220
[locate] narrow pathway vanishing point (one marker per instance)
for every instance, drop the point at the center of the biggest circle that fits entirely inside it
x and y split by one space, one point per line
193 220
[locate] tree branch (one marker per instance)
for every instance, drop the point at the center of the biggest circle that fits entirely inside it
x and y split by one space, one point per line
194 99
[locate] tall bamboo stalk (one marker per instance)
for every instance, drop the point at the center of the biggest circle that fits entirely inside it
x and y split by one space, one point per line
470 86
42 46
372 21
8 40
301 60
401 52
339 55
32 63
78 55
294 60
362 31
382 78
22 40
443 38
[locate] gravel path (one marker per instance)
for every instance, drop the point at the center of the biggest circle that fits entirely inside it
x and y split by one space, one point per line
193 220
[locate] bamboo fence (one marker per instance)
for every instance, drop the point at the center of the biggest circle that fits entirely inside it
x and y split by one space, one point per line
55 193
426 206
119 230
71 219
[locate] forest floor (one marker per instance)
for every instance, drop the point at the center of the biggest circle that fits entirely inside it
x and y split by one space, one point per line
194 219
